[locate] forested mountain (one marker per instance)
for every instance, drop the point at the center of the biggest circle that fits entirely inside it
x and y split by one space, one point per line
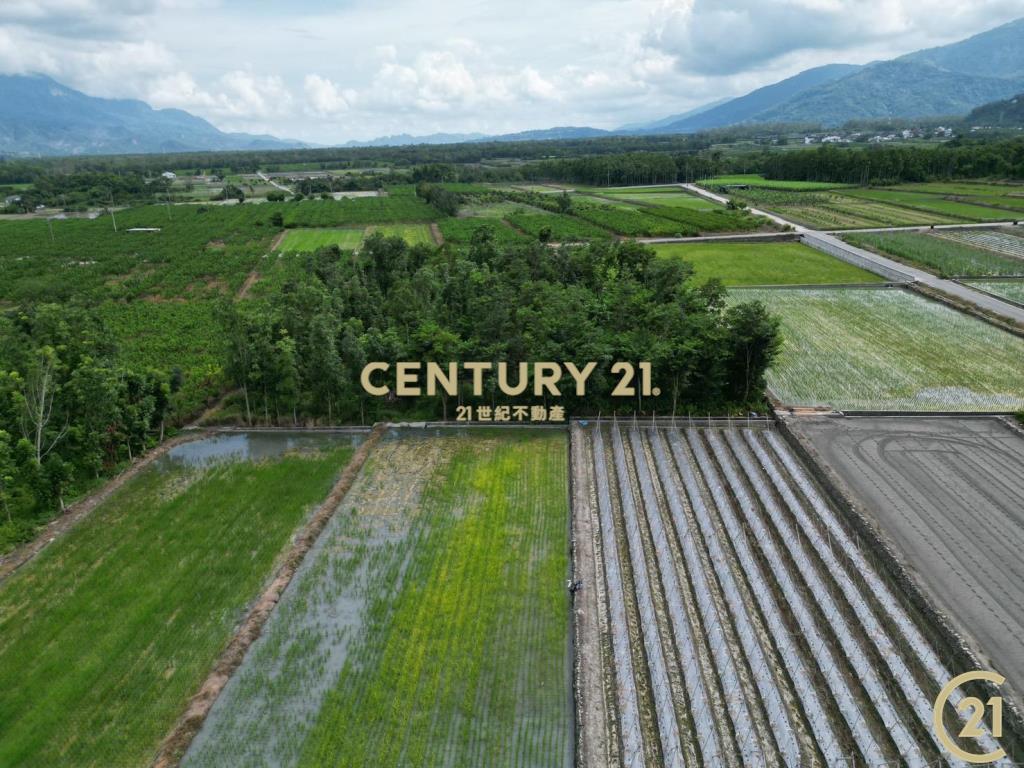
892 89
39 116
996 53
1008 113
749 107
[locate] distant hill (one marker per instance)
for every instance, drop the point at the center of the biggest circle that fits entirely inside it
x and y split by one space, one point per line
747 108
406 139
39 116
666 121
1008 113
545 134
892 89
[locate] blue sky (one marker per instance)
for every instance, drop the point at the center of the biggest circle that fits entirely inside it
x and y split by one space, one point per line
332 71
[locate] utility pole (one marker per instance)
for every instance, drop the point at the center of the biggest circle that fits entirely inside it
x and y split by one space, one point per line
112 217
49 223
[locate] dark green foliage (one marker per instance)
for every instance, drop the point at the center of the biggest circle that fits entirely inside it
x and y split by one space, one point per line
301 355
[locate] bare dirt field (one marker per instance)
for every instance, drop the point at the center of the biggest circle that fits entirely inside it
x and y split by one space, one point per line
949 493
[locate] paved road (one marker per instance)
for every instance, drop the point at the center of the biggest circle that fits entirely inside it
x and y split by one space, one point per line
889 268
947 491
272 183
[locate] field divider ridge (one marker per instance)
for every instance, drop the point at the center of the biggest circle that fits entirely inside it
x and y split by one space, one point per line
176 743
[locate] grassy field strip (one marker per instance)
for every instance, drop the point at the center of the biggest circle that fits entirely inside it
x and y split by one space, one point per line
413 234
1007 289
947 256
889 350
755 180
106 635
438 593
308 240
765 264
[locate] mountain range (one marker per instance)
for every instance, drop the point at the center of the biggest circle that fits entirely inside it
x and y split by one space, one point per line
39 116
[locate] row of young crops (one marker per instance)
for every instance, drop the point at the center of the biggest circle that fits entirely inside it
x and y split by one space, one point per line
739 622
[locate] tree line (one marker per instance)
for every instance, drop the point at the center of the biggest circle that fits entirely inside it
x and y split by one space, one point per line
70 414
298 357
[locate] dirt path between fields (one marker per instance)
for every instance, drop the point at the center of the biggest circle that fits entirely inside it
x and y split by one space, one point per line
81 509
276 243
435 232
177 742
250 281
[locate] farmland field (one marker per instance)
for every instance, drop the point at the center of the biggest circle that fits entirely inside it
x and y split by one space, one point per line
413 234
110 630
429 625
947 492
930 203
668 199
1008 289
561 228
1006 242
765 264
889 349
461 231
736 622
832 210
948 254
754 180
306 240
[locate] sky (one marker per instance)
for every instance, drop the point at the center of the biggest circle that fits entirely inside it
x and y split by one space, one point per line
329 72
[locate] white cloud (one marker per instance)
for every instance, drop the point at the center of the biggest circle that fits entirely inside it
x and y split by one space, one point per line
325 97
331 72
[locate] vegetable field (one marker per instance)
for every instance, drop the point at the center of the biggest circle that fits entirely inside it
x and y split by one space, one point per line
737 621
429 626
106 635
754 180
890 350
765 264
949 253
1008 289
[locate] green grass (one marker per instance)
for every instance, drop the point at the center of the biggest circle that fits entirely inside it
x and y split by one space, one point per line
413 234
106 635
305 240
497 210
669 200
888 349
1008 289
756 180
450 556
946 257
765 264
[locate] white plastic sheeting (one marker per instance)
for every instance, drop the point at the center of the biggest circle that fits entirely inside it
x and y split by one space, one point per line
912 636
628 706
668 728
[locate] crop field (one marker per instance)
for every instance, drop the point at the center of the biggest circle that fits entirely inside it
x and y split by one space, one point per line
307 240
669 200
949 253
562 229
1005 242
501 210
429 625
461 231
832 210
736 621
764 264
888 350
754 180
413 234
110 630
931 204
947 493
1008 289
